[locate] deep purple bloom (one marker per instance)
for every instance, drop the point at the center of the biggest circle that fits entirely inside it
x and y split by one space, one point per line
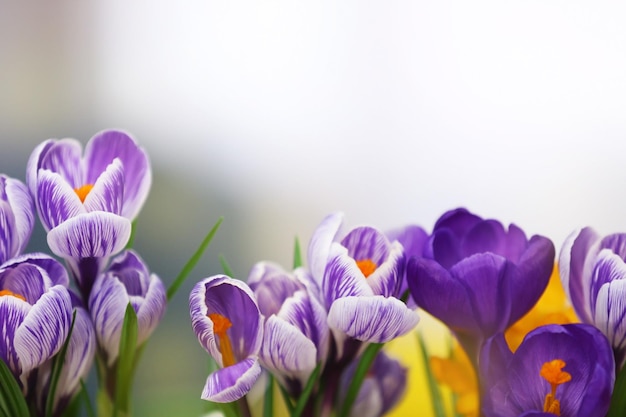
382 388
477 277
229 325
86 203
414 240
35 311
360 277
573 363
296 335
127 280
593 273
17 217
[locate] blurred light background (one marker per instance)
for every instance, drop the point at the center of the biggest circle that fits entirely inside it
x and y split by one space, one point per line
274 113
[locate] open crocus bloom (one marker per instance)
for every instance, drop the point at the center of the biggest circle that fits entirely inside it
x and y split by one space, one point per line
477 277
593 274
360 278
564 370
86 203
16 217
229 325
35 312
127 280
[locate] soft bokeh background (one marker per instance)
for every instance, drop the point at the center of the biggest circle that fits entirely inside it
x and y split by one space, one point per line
274 113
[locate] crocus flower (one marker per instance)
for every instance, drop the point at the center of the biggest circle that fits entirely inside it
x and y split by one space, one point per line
296 336
79 357
360 278
477 277
564 370
229 325
16 217
86 203
35 312
592 272
127 280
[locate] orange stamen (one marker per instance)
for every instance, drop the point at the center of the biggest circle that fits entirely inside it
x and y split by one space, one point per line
367 266
82 192
220 327
553 373
16 295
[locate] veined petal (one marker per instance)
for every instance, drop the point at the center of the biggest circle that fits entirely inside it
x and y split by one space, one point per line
152 309
12 314
107 145
56 200
230 384
90 235
272 285
342 277
387 278
22 206
34 163
25 279
366 243
107 193
413 238
319 246
372 319
45 328
55 271
286 350
8 240
64 157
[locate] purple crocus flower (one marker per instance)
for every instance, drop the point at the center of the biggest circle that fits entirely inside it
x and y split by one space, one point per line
360 278
35 311
382 388
565 370
16 217
414 239
127 280
296 336
593 274
477 277
229 325
86 203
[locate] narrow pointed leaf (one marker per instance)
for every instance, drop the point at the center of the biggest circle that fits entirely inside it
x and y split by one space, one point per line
618 400
125 362
57 367
287 399
12 402
364 365
191 263
225 266
433 387
268 400
131 239
297 254
306 392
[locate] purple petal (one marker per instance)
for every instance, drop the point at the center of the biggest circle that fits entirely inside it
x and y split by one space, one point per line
12 314
484 236
342 277
57 201
372 319
107 193
272 285
107 145
319 246
34 163
444 247
387 278
90 235
151 310
55 271
45 328
23 210
515 243
366 243
232 383
63 157
413 238
25 279
459 221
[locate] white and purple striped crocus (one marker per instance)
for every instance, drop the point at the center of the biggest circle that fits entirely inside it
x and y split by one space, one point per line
477 277
360 278
564 370
126 280
229 325
86 202
593 273
17 217
35 311
296 335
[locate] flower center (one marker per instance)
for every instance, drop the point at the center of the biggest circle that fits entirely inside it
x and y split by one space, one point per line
553 373
8 292
367 266
82 192
220 327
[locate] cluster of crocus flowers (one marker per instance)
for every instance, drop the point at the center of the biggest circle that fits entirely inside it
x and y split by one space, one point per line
86 203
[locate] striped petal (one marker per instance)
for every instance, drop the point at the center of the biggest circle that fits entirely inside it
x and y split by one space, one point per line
232 383
61 156
342 277
319 245
107 193
107 305
56 200
152 308
12 313
372 319
17 217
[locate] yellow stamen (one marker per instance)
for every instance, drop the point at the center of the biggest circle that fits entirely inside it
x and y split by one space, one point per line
8 292
83 191
553 373
220 327
367 266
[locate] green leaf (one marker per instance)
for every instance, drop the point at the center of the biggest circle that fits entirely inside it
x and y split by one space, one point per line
297 254
618 400
85 396
57 367
306 392
433 386
12 402
287 399
131 238
125 363
365 362
191 263
268 400
225 267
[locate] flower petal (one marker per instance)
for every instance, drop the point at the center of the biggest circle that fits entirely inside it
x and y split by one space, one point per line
152 309
319 245
56 200
60 156
366 243
23 213
12 314
107 193
372 319
232 383
342 277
